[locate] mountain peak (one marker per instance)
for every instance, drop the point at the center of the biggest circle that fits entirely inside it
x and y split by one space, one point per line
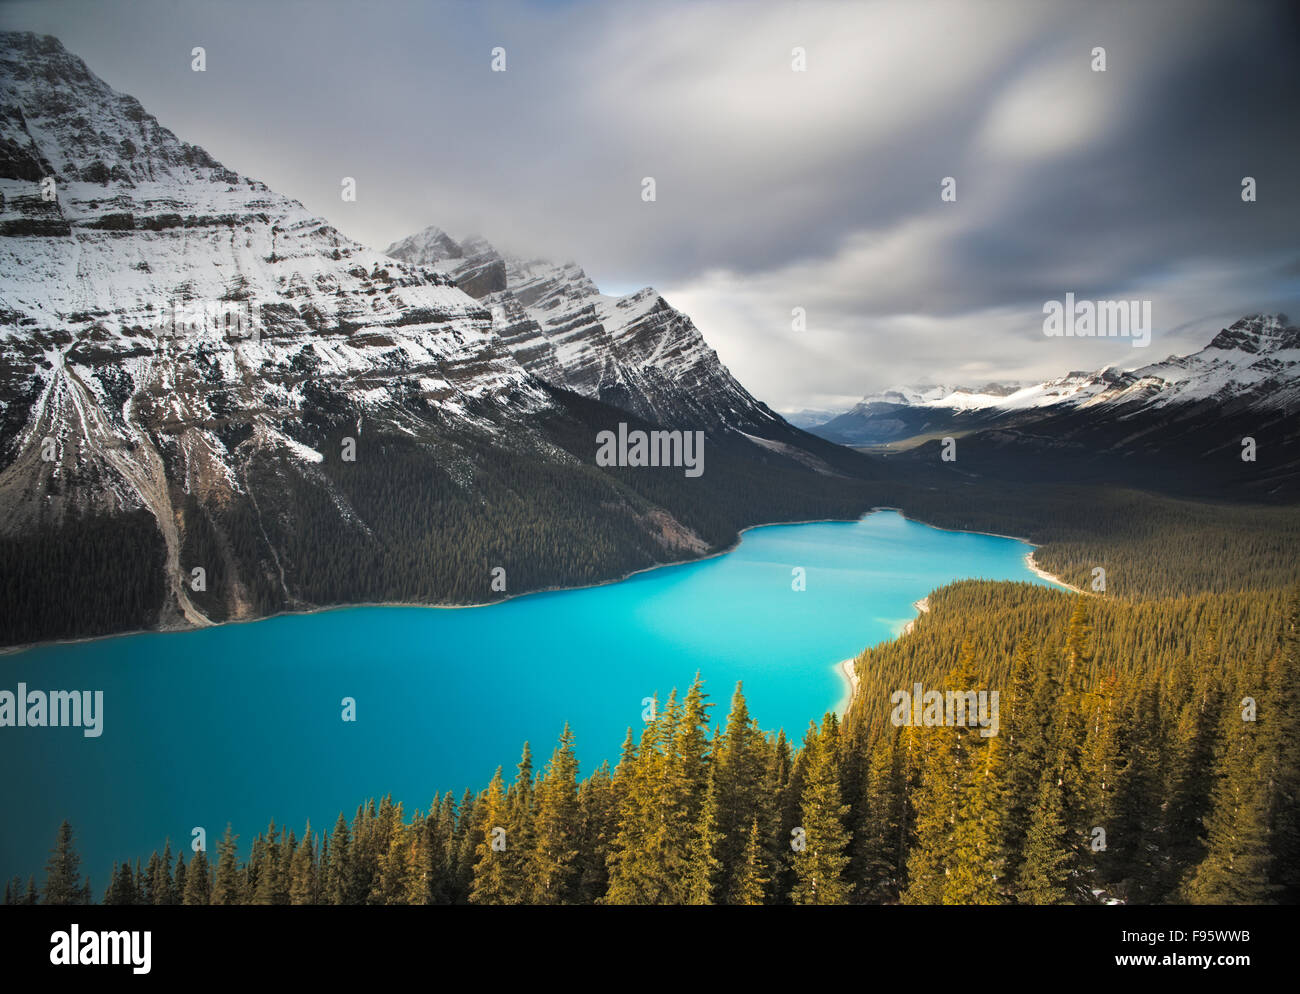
1258 333
59 119
426 247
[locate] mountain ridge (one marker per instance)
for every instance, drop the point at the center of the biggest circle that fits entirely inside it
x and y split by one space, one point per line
635 351
1253 363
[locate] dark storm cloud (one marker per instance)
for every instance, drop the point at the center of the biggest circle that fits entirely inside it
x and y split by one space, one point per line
776 189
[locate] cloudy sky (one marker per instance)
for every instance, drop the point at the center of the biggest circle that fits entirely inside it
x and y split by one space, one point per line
776 189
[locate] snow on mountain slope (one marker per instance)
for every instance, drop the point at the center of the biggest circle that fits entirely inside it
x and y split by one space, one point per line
957 398
1253 364
144 229
163 320
635 352
1257 358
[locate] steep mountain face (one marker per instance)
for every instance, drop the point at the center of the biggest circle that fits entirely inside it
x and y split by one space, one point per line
165 319
635 352
214 405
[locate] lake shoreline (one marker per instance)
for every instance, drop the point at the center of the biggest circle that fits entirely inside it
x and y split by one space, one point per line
321 608
921 606
14 650
845 668
1042 574
1034 568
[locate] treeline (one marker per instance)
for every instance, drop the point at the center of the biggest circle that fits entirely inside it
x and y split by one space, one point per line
1173 779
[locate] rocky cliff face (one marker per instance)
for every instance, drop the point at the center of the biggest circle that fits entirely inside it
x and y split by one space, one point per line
635 352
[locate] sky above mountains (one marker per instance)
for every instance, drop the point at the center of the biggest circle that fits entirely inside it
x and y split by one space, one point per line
776 189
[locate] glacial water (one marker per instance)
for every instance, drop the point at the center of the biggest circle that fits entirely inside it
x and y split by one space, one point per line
243 722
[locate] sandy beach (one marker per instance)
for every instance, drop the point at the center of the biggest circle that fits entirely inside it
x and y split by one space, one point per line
921 607
1042 574
850 677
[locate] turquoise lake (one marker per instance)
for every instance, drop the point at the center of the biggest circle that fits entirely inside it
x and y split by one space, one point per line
242 723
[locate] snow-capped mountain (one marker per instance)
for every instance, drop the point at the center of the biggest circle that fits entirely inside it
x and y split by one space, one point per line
636 352
165 319
196 368
1254 364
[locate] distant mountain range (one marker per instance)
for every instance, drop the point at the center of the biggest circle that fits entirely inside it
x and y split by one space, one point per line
1253 364
1175 424
808 418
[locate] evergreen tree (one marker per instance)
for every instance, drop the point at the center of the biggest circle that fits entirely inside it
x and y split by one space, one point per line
702 865
748 885
975 873
157 880
518 866
555 864
742 791
491 885
338 883
418 864
302 883
1051 860
227 888
1238 858
62 873
1282 755
598 811
198 880
877 853
122 888
819 867
178 881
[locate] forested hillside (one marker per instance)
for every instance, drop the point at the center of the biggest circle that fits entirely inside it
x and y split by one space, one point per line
418 521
